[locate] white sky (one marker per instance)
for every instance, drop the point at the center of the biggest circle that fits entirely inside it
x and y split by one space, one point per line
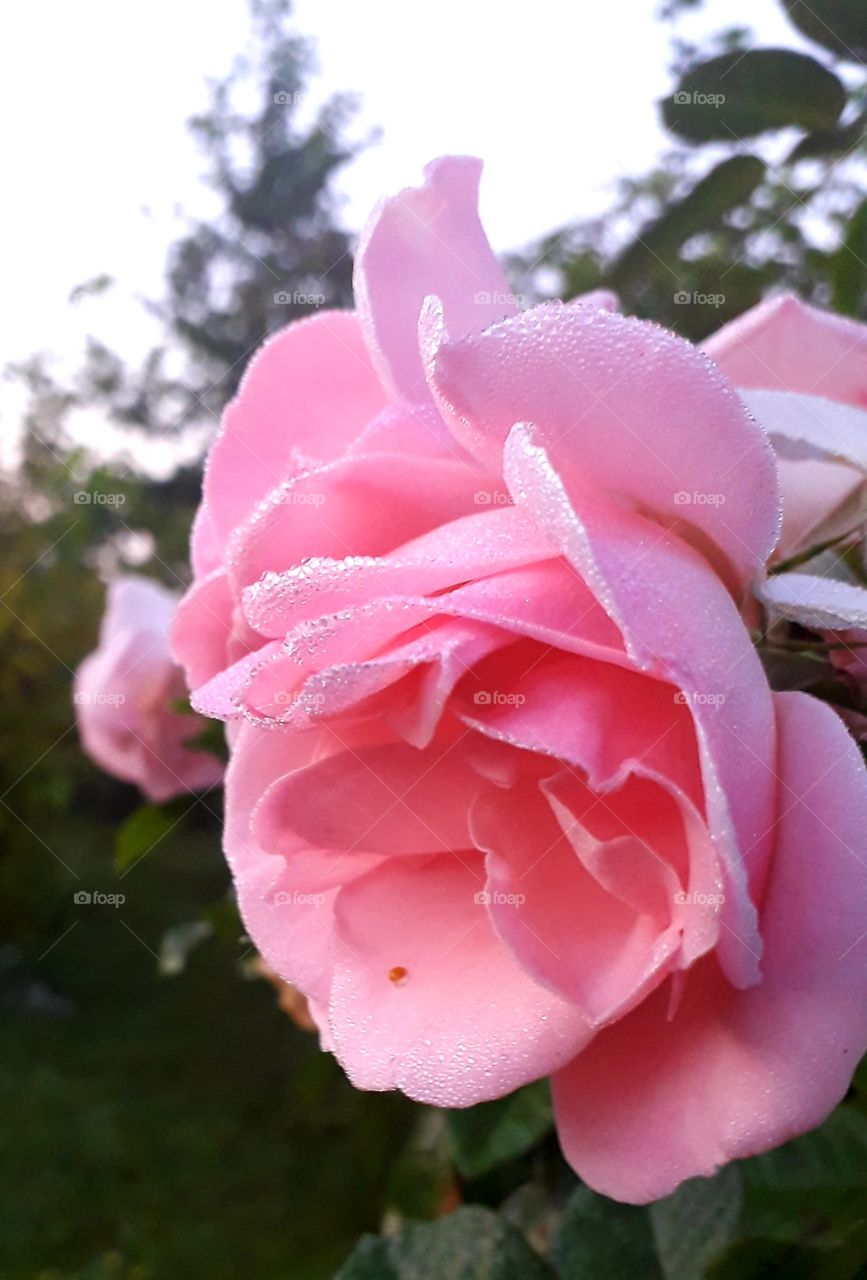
557 95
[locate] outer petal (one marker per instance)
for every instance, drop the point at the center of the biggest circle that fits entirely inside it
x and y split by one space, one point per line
355 506
305 396
822 450
426 240
652 1102
546 602
294 936
202 627
668 603
463 1023
784 344
820 500
822 604
636 411
490 541
811 427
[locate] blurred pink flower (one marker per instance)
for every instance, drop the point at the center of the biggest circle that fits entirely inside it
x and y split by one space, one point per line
804 376
124 693
509 793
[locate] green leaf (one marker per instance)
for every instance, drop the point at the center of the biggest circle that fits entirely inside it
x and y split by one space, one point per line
729 184
834 1155
470 1244
697 1223
768 1260
423 1176
838 25
811 1190
849 267
598 1239
141 832
493 1132
740 94
830 142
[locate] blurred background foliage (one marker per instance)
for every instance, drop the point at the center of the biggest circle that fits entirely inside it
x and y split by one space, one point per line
763 186
179 1126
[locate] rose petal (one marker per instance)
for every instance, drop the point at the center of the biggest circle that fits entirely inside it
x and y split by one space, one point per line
356 506
426 240
489 541
306 394
427 999
822 604
618 401
786 345
667 603
653 1101
564 928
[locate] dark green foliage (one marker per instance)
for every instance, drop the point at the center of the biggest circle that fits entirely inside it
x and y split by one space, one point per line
740 94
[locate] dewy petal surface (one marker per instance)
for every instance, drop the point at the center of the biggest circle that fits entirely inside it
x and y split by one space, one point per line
784 344
427 999
654 1101
305 396
426 240
639 413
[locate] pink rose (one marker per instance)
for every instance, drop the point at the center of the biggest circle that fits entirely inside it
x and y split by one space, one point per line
804 376
509 793
803 373
124 695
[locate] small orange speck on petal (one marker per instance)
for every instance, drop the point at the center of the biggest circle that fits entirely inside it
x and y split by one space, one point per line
397 975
